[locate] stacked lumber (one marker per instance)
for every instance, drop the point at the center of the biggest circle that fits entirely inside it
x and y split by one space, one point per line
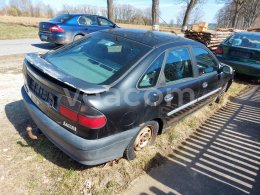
202 26
211 39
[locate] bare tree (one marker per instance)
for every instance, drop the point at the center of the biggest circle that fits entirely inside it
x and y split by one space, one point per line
110 9
250 12
238 5
155 12
190 5
241 16
147 13
195 16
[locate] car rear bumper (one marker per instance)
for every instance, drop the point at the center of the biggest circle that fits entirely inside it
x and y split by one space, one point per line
242 67
58 38
88 152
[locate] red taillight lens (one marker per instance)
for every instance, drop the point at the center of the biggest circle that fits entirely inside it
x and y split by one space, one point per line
68 113
92 122
84 115
219 50
56 29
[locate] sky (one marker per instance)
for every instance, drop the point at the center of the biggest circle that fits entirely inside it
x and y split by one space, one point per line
169 8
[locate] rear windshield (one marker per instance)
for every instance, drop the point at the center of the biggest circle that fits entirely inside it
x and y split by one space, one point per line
100 58
245 40
61 18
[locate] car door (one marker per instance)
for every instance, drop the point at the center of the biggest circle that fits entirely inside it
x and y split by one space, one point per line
177 88
208 69
87 24
104 23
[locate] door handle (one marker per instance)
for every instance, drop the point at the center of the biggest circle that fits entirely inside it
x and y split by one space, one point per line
204 84
168 97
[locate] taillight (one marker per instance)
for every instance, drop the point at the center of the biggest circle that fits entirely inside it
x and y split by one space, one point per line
219 50
91 117
92 122
84 115
56 29
72 115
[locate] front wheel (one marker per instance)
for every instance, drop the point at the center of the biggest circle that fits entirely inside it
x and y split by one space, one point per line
145 137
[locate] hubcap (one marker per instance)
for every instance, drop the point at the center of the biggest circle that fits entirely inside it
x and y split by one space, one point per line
143 138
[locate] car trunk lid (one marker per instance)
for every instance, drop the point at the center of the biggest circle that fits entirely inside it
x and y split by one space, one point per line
62 97
47 68
241 54
45 26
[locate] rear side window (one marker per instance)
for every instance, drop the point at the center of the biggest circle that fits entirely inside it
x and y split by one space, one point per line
100 58
152 74
205 61
61 18
178 65
86 20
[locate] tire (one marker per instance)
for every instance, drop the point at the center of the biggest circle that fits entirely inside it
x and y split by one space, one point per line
145 137
221 93
77 37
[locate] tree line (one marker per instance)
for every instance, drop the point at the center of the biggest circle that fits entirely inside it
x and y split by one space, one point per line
121 12
240 14
27 8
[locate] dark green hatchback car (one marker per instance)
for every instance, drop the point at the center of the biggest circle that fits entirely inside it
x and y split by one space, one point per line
242 52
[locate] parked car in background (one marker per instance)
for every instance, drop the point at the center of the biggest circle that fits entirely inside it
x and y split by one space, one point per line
111 93
66 28
242 52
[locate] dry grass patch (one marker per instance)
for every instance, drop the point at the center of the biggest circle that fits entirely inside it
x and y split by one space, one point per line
24 21
11 63
17 31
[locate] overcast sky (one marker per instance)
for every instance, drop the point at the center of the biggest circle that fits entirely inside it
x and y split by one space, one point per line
169 8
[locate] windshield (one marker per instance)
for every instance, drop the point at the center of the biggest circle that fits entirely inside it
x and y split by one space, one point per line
245 40
100 58
61 18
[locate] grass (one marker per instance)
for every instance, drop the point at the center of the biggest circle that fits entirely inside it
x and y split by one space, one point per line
27 27
16 31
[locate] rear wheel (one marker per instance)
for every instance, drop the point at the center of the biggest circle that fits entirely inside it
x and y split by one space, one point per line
145 137
77 37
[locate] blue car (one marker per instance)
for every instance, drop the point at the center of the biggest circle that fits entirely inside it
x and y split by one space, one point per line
66 28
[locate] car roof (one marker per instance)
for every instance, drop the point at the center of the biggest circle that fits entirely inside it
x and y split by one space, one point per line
77 14
147 37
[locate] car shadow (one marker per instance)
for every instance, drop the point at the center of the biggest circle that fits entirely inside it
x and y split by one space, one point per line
245 79
18 115
47 46
220 157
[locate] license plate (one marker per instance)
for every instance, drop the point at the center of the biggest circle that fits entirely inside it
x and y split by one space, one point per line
40 92
240 54
44 37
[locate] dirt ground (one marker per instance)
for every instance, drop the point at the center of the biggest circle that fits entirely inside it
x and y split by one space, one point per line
30 167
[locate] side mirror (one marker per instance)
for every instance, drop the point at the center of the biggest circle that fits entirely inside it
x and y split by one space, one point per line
114 26
227 69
